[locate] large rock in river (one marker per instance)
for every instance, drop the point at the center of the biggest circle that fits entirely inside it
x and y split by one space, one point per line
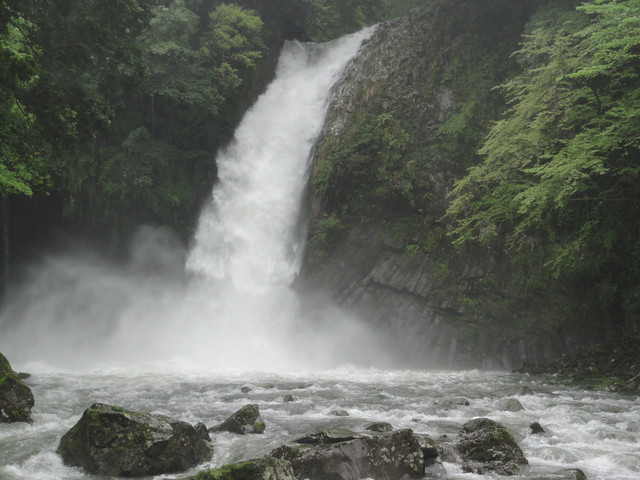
486 446
111 441
16 399
246 420
267 468
350 457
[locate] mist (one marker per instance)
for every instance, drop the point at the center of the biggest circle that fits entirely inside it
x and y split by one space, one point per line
80 312
226 301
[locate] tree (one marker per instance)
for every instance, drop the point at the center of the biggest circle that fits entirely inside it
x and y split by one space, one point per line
232 44
561 171
21 151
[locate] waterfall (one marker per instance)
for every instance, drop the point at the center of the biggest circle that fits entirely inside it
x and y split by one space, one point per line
234 307
247 235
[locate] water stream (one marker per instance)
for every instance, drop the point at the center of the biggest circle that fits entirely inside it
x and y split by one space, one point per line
596 432
157 337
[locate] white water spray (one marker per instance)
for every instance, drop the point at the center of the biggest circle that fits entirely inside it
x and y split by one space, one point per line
236 309
247 234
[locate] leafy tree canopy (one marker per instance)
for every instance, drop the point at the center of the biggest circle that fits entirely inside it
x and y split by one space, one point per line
561 170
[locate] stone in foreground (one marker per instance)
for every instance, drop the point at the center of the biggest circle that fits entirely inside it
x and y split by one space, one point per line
246 420
386 457
111 441
570 474
486 447
267 468
16 399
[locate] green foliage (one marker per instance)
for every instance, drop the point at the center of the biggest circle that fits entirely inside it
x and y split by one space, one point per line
155 162
328 19
234 38
560 172
115 108
328 227
5 366
372 162
21 151
326 232
239 471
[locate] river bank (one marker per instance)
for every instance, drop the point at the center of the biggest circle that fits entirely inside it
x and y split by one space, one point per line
613 367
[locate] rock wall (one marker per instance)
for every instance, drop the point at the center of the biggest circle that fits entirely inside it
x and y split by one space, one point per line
405 122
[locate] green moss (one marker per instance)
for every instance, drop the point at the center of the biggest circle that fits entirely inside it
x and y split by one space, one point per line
14 377
595 382
259 427
238 471
5 366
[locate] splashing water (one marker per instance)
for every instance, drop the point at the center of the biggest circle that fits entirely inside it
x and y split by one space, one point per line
235 307
247 235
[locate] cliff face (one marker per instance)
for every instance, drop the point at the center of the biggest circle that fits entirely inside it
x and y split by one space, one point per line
405 122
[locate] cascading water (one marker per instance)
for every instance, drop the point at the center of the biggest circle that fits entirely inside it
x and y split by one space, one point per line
234 308
247 235
144 337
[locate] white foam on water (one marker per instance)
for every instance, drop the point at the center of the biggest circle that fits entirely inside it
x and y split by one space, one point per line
233 307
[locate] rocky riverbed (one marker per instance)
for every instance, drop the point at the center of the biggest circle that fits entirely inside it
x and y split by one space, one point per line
594 431
612 367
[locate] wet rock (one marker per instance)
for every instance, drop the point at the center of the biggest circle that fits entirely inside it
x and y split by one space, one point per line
328 437
510 405
288 399
201 428
379 427
339 413
245 389
571 474
5 366
384 457
246 420
432 461
112 441
608 366
536 428
526 390
486 446
16 399
267 468
429 448
452 402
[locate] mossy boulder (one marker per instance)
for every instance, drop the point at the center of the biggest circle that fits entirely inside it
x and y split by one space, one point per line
379 427
246 420
383 457
486 446
5 366
112 441
433 467
267 468
570 474
16 399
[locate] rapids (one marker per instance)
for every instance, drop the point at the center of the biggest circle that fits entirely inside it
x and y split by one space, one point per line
596 432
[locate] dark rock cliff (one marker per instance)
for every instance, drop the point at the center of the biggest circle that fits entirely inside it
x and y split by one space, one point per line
405 122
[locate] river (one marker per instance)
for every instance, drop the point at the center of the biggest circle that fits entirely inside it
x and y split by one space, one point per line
594 431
